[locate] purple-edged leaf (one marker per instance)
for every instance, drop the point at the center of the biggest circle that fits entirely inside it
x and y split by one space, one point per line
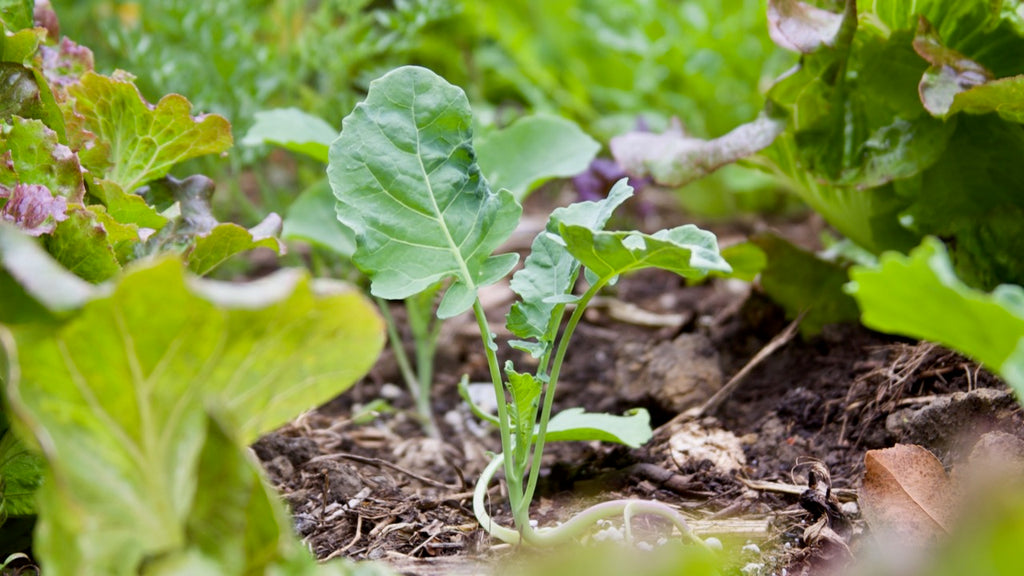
65 63
550 271
32 208
36 157
408 185
801 27
135 142
674 159
950 72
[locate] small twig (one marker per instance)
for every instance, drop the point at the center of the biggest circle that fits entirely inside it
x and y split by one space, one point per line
777 342
352 542
385 464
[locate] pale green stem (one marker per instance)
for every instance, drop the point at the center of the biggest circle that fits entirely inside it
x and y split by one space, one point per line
578 524
420 393
549 394
513 479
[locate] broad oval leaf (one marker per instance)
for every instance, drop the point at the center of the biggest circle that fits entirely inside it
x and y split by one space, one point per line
633 429
686 250
534 149
406 179
293 130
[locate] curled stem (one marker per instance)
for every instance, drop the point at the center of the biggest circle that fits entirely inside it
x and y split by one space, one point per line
578 524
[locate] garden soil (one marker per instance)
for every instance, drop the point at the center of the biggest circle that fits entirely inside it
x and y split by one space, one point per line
364 482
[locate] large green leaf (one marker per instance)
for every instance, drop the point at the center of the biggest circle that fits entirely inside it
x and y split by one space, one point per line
920 296
21 472
686 250
293 130
532 150
117 398
407 183
550 271
633 429
136 143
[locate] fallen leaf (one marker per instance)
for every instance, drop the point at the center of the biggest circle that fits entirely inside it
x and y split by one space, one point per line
906 495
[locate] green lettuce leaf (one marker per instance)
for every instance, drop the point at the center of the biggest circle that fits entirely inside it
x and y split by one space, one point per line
36 157
118 398
16 14
83 246
406 180
135 142
1004 96
294 130
920 296
532 150
21 472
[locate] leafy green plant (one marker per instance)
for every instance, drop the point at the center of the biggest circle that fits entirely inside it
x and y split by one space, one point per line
408 184
530 151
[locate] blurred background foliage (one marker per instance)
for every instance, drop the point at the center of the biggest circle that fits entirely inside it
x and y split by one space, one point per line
607 64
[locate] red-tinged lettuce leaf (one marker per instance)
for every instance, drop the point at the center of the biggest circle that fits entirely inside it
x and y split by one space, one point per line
950 72
550 271
119 396
81 244
675 159
135 142
65 63
802 27
921 296
406 180
32 208
532 150
294 130
34 156
205 241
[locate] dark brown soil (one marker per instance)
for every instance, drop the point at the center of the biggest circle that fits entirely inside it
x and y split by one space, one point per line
374 487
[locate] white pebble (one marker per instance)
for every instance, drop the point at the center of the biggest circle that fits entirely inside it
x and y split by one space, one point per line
751 549
752 568
713 543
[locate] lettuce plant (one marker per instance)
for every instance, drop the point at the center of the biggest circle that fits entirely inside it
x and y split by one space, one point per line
525 154
408 184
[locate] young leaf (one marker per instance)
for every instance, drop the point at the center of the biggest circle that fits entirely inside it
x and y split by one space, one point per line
920 296
525 390
407 183
135 142
532 150
294 130
633 429
550 271
227 239
685 250
133 375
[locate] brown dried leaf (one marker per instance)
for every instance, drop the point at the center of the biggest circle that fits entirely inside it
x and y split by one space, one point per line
907 495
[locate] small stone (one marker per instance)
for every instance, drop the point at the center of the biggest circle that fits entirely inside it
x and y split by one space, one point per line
713 543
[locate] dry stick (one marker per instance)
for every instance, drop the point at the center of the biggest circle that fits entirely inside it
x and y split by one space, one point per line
385 464
777 342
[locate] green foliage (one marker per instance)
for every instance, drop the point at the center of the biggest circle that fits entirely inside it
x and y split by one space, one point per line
534 149
153 387
920 296
404 173
407 183
293 130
